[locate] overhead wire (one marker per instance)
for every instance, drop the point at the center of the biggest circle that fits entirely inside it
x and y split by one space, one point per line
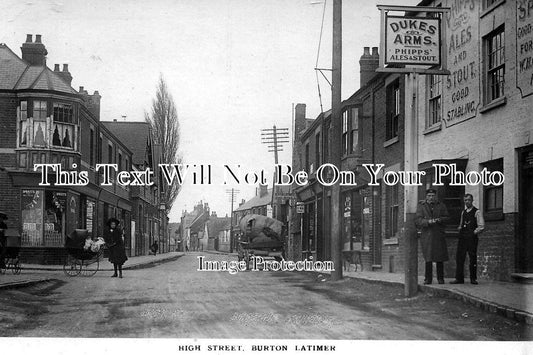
318 57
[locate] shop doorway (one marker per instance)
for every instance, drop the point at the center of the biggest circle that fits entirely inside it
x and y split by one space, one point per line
525 239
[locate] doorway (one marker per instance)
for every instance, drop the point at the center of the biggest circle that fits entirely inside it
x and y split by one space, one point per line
525 238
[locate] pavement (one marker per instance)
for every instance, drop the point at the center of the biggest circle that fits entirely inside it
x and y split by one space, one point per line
32 276
510 299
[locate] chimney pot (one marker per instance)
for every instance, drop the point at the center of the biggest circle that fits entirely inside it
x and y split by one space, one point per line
56 67
81 88
37 38
65 67
29 38
368 65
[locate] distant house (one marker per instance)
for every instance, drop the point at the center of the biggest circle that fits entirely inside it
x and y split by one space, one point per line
193 226
175 243
218 233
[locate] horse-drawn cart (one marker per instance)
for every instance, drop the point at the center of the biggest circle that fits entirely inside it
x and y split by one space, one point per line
260 236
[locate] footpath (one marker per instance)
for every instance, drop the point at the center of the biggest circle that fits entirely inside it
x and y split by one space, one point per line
510 299
34 273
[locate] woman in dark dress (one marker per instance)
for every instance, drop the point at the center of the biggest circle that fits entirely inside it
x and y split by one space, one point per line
117 252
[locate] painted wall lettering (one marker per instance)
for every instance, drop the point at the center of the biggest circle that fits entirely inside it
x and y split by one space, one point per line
524 46
461 88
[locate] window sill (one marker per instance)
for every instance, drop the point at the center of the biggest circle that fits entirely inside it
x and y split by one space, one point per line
391 241
496 103
493 216
351 155
436 127
391 142
490 8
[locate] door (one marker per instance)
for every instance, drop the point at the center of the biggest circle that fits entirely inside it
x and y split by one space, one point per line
525 247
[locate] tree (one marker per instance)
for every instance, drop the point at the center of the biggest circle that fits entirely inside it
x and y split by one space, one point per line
163 121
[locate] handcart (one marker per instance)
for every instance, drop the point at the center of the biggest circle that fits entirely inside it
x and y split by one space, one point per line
12 255
80 261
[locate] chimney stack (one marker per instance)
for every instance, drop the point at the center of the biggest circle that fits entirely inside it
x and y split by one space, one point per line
299 120
93 104
65 74
368 65
34 53
263 190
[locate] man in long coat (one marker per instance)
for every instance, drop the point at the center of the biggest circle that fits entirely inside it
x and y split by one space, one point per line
431 216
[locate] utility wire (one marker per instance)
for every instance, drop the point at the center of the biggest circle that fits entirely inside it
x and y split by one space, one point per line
318 56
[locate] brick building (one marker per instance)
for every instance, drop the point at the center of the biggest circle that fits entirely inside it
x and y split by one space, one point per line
475 118
372 132
44 120
480 117
150 223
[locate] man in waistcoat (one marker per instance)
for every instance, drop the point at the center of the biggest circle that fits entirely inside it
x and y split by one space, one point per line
471 225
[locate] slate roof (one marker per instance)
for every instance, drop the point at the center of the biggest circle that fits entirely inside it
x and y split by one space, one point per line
217 224
134 135
256 201
16 74
198 224
266 199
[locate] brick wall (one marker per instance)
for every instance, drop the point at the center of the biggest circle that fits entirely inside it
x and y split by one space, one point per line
8 121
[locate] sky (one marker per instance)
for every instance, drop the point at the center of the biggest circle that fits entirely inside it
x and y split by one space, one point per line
234 67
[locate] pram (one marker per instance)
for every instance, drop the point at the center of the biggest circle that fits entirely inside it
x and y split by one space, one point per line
12 255
79 260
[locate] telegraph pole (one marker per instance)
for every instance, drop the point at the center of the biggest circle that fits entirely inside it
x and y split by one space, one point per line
232 193
336 149
274 137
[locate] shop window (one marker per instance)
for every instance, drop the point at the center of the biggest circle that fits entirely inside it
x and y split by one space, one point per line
493 195
495 65
434 104
32 217
54 211
393 110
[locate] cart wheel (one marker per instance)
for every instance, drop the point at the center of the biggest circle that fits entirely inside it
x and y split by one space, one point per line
15 267
89 268
72 267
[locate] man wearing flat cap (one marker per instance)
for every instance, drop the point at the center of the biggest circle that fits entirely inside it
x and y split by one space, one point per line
431 216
